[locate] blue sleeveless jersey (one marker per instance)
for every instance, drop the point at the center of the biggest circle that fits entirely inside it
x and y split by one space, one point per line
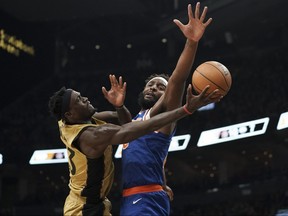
143 158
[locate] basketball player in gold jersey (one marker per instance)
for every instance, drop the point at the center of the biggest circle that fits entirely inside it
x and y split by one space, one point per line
89 141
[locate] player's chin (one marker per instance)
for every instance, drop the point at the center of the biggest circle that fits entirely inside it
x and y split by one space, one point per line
91 108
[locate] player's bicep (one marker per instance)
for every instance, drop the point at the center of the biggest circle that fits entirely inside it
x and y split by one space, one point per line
107 116
100 136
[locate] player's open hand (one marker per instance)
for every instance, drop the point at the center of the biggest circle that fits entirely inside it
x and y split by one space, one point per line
196 26
194 102
116 95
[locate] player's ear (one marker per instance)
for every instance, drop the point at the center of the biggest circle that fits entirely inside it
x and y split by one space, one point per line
67 115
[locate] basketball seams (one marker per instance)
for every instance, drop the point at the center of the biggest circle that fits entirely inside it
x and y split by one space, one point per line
208 73
196 87
220 72
212 81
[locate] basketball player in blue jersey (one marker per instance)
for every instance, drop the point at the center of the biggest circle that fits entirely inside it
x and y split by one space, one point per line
144 188
89 139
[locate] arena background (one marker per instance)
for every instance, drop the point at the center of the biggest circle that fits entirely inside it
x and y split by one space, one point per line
47 44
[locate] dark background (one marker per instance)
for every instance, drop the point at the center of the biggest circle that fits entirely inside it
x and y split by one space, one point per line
243 177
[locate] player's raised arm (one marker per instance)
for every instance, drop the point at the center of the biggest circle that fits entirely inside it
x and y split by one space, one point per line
115 96
193 31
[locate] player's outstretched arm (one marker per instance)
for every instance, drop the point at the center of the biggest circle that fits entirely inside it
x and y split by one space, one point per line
133 130
193 31
94 140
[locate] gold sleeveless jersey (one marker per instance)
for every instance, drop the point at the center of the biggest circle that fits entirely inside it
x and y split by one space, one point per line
90 179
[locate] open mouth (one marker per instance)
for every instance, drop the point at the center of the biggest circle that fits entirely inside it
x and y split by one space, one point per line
149 95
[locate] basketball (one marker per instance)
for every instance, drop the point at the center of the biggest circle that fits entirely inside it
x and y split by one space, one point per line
212 73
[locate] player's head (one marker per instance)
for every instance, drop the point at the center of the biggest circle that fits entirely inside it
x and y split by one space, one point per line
69 105
155 86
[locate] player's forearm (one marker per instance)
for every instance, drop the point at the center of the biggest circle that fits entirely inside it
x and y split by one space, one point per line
165 118
185 61
124 115
135 129
156 122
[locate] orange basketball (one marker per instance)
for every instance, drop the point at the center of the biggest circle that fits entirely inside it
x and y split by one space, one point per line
212 73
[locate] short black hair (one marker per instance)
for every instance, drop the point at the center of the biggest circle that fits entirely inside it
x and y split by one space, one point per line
55 103
165 76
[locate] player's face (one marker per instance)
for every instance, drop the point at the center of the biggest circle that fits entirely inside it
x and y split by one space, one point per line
80 107
153 90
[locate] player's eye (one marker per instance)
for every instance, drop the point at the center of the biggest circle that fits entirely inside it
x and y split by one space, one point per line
162 87
78 98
